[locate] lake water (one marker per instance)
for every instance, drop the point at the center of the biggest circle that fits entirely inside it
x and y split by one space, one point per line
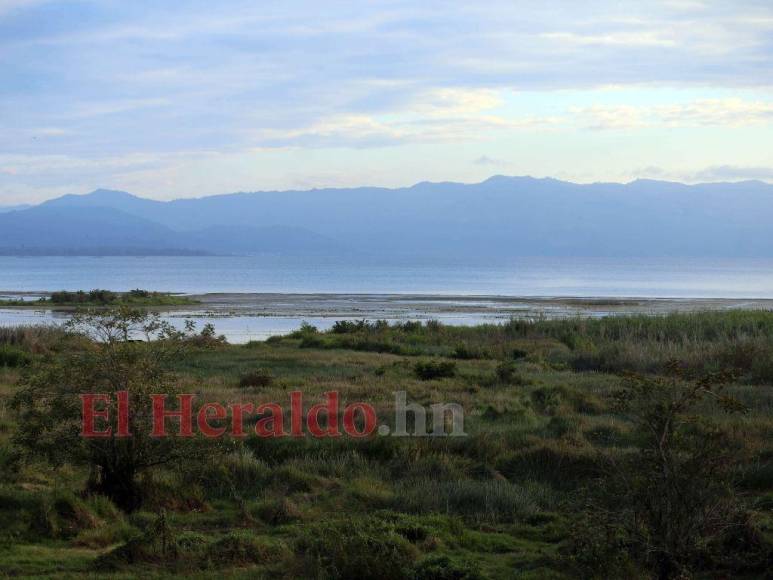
739 279
523 277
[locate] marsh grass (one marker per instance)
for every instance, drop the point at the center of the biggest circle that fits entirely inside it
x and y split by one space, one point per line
542 424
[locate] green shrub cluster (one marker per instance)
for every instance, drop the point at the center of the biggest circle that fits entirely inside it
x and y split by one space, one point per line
434 369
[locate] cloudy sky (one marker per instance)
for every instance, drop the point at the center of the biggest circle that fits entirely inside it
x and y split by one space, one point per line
188 98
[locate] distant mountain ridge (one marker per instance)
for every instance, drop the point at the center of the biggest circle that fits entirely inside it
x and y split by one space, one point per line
7 208
499 218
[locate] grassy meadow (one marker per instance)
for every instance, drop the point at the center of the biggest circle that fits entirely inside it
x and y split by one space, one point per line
553 480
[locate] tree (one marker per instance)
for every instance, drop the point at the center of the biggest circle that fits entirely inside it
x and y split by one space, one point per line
104 352
675 496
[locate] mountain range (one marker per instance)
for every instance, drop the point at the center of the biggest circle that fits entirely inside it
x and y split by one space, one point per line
501 217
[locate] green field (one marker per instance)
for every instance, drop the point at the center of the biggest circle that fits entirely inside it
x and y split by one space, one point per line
559 475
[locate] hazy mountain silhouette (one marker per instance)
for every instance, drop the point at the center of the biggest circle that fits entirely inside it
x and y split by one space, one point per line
101 223
7 208
498 218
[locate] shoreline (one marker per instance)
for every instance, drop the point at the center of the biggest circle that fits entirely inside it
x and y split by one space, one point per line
244 317
390 305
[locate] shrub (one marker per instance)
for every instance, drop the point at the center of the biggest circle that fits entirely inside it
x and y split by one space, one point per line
277 511
80 297
256 378
507 373
355 548
311 341
596 549
344 327
464 351
157 544
444 568
549 400
304 331
680 498
13 357
428 370
518 353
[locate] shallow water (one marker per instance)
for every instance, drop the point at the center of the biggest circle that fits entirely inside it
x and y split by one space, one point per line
238 329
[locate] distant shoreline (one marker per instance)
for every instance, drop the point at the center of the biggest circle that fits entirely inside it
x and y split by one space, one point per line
398 306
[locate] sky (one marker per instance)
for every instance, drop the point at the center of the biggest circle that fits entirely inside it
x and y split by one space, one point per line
191 98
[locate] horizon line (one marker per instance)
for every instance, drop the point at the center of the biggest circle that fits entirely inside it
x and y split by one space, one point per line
417 184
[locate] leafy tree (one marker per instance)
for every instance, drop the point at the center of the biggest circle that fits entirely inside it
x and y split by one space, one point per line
674 499
126 350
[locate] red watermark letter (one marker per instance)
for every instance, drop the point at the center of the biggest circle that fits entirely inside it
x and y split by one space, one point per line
89 413
369 419
184 414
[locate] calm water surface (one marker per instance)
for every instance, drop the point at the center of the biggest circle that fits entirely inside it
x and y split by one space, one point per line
643 278
524 277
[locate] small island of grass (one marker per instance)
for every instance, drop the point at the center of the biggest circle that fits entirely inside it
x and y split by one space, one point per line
97 298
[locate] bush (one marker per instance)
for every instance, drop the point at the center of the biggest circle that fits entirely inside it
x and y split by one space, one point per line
680 492
507 374
311 341
464 351
278 511
157 544
256 378
80 297
444 568
428 370
518 354
355 548
306 330
13 357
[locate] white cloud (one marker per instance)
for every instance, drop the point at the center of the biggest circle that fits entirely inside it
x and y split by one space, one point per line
733 173
707 112
644 38
710 174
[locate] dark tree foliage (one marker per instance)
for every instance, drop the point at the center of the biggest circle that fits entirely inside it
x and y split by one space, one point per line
673 502
121 350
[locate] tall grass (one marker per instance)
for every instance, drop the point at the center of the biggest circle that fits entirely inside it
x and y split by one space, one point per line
703 341
30 337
